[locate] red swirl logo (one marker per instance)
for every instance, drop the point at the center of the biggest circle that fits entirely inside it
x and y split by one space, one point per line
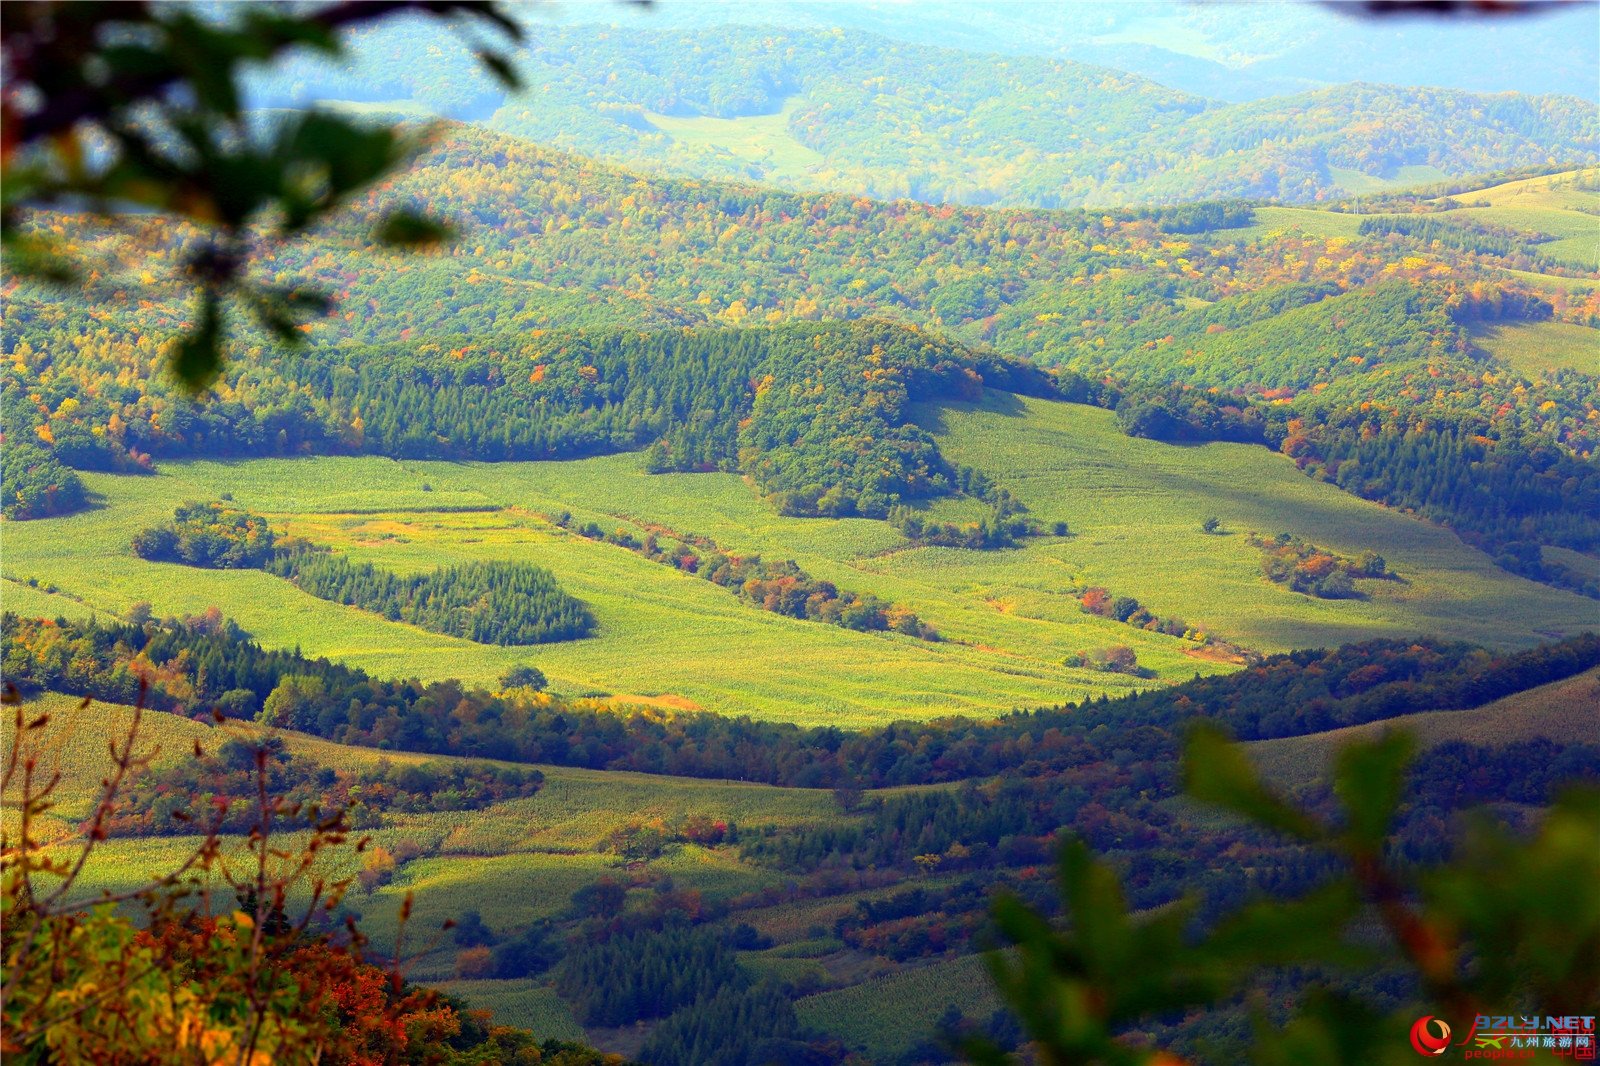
1430 1035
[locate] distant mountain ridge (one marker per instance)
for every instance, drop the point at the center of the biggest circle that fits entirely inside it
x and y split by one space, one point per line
860 113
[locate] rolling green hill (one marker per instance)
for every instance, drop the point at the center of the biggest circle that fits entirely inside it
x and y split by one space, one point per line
1009 617
987 503
514 863
1559 206
857 113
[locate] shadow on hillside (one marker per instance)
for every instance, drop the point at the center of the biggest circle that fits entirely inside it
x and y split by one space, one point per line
930 414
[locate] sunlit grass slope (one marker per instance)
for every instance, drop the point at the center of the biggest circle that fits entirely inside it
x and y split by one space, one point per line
871 1014
1562 710
1136 507
1539 347
761 142
520 1003
663 636
1556 206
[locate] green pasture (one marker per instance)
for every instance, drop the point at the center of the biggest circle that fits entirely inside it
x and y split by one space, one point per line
1554 205
760 141
1359 182
664 638
1135 507
673 641
872 1014
520 1003
1309 221
574 811
1536 348
1561 710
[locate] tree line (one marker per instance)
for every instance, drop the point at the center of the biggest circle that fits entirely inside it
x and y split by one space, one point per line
183 797
1281 695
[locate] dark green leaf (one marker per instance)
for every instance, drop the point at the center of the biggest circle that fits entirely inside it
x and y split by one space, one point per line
1278 933
501 68
1216 770
407 229
1331 1031
1368 778
197 355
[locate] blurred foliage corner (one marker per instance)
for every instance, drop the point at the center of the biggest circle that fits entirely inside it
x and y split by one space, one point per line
128 108
1507 925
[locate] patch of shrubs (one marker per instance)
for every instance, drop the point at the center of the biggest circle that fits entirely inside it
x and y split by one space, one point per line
1306 568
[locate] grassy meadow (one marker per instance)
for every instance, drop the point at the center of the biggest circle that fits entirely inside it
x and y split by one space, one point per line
1533 348
761 142
519 1003
871 1013
1009 618
1560 710
1556 206
1136 506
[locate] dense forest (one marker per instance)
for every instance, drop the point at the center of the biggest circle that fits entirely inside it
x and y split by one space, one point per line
791 406
490 602
212 536
36 484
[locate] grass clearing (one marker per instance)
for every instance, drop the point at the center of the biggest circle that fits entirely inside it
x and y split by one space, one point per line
664 637
1553 204
1560 710
521 1003
1132 501
1357 182
872 1014
1537 348
762 142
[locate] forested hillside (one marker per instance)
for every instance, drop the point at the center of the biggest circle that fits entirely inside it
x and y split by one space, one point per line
1332 344
1224 53
854 112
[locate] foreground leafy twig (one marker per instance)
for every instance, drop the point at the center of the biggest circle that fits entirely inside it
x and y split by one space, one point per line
1506 925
